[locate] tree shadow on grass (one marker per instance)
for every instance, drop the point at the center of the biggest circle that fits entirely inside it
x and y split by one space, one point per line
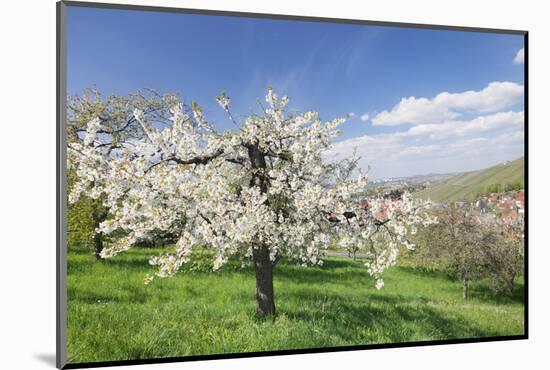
83 264
478 290
393 319
136 264
121 296
331 272
420 272
483 292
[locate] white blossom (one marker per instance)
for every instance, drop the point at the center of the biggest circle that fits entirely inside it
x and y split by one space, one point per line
223 101
207 186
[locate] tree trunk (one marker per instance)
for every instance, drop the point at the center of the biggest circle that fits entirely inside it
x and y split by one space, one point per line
98 245
354 253
265 302
464 285
510 283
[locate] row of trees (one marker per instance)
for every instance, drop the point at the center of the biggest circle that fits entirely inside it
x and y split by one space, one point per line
499 188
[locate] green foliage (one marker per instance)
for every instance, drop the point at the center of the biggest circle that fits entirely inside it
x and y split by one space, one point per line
505 262
201 260
112 315
80 222
514 186
499 188
83 217
494 188
455 250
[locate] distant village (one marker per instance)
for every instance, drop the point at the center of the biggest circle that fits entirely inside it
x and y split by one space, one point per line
509 205
506 201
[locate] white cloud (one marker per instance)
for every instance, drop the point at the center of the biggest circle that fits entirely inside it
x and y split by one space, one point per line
475 126
519 59
414 111
449 106
365 117
446 147
352 115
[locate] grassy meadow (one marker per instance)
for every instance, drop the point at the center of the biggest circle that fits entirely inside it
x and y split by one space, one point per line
112 315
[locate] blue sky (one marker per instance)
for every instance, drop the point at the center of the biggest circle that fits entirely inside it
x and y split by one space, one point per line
336 69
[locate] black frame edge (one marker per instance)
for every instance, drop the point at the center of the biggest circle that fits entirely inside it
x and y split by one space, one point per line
526 182
227 356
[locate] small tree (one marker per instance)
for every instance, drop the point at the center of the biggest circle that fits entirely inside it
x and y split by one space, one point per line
262 191
456 244
506 256
473 244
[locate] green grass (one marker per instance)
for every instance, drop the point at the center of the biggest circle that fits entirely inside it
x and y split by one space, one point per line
112 315
469 185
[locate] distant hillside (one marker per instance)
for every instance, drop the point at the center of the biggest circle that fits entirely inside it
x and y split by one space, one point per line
469 185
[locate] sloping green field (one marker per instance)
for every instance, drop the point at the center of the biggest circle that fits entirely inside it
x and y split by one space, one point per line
469 185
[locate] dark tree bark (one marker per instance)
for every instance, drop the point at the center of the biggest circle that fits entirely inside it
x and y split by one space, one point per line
510 283
265 299
98 245
465 285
